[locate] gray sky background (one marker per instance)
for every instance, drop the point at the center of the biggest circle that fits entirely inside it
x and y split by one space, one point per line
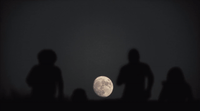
93 39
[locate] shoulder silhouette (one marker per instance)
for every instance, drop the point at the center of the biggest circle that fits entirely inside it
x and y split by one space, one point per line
175 88
45 77
133 76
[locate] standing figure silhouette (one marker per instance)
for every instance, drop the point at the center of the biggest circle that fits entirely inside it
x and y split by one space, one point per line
133 76
175 88
45 77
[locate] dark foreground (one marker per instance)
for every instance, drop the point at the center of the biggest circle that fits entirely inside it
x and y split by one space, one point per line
66 100
114 104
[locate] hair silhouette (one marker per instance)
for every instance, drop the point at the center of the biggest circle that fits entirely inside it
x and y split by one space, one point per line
133 76
175 75
79 95
45 77
175 88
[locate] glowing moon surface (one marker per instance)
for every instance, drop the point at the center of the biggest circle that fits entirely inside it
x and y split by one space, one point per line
103 86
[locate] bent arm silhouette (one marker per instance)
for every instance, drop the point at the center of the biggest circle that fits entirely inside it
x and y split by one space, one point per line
120 79
30 78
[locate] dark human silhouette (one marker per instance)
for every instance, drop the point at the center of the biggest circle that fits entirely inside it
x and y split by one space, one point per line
175 88
45 78
79 95
133 76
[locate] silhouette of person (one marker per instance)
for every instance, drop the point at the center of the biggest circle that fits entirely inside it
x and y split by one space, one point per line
133 76
175 88
45 77
79 95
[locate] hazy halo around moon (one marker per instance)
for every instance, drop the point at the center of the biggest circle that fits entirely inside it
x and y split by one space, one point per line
103 86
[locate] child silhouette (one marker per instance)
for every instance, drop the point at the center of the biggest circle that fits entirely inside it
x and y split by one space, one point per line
45 77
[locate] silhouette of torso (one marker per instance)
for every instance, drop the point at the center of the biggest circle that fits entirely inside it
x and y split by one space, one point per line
176 92
43 80
133 75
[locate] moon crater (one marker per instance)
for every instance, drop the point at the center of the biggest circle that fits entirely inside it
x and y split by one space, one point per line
103 86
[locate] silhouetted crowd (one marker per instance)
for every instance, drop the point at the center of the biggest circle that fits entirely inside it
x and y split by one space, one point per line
45 78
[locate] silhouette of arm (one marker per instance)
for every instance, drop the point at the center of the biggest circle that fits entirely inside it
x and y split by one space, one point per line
60 84
150 78
29 81
30 78
189 94
121 79
162 96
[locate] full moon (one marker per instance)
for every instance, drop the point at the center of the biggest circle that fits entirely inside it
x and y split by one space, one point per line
103 86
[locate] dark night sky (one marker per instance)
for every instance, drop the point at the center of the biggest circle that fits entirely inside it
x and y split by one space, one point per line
93 38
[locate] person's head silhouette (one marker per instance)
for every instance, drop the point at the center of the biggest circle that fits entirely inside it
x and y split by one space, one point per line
79 95
47 56
175 75
133 56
